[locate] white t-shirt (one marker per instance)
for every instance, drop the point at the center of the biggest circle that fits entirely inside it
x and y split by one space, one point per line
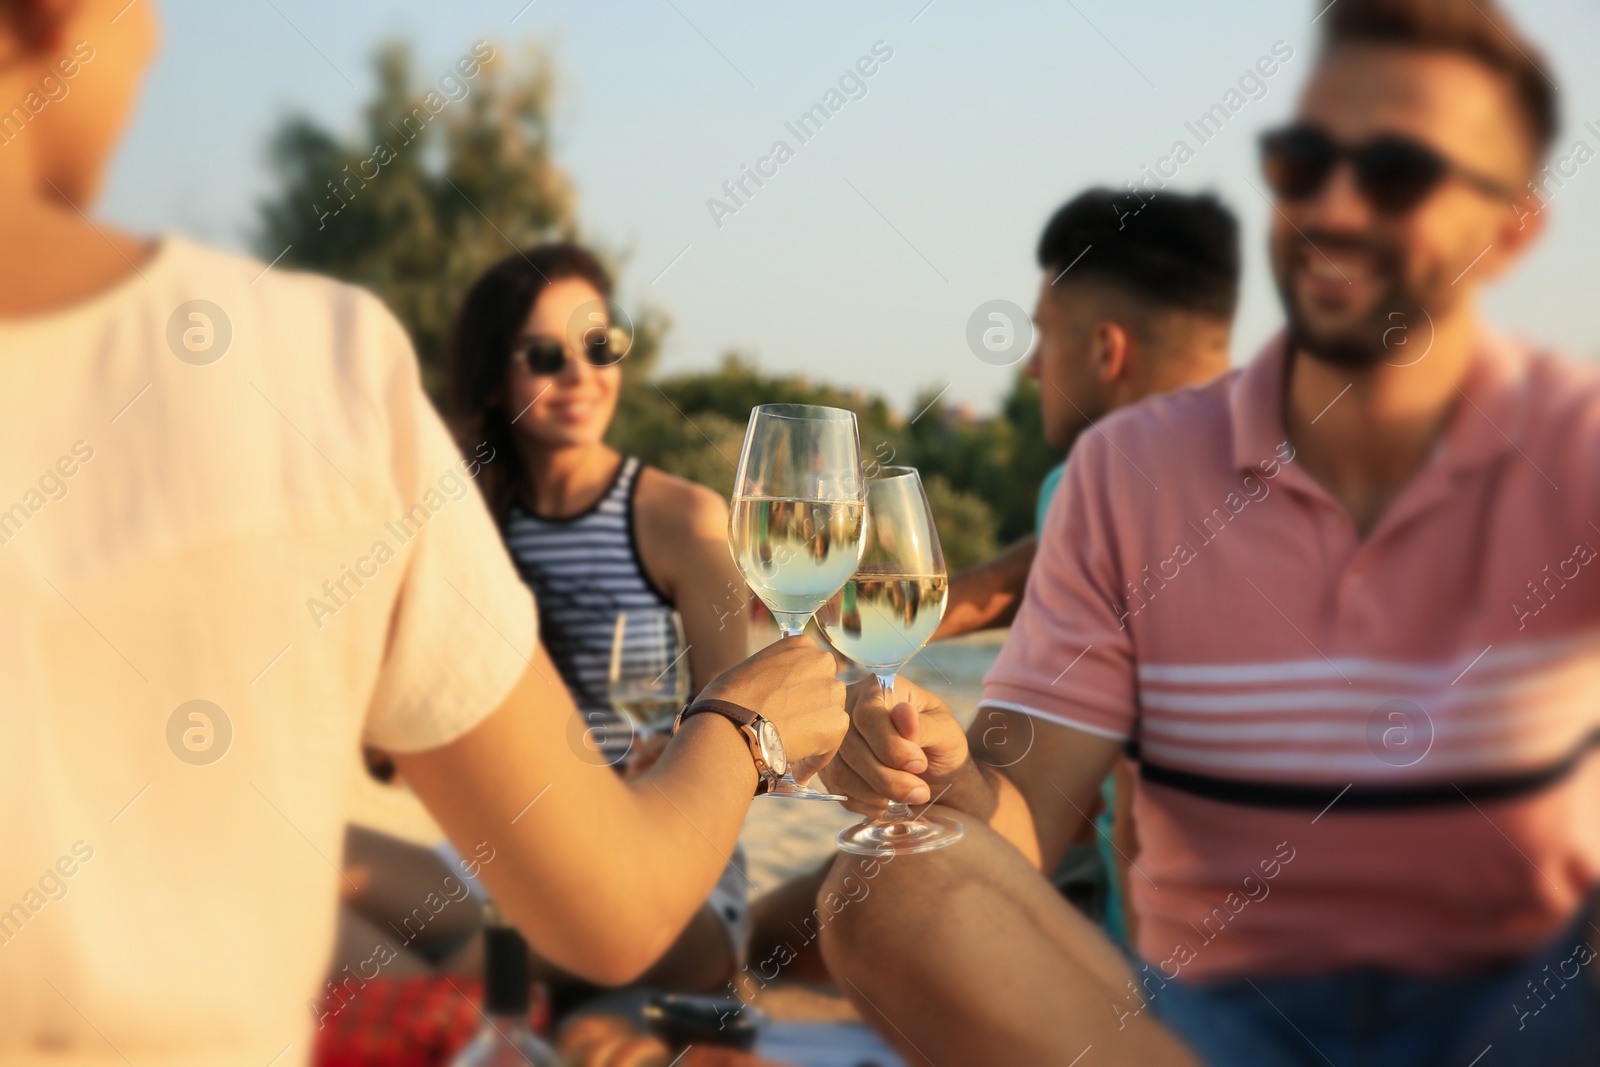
248 502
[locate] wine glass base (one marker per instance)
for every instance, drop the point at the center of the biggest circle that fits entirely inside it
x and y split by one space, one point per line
789 789
893 837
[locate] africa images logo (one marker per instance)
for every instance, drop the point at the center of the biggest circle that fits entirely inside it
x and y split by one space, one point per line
852 85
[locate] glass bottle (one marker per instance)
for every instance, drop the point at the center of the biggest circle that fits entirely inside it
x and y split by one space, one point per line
506 1039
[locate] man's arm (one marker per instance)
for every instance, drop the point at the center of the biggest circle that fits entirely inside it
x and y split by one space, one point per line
1031 780
1055 770
986 597
602 875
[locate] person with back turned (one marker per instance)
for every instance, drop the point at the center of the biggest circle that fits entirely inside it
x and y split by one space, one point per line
1127 308
244 544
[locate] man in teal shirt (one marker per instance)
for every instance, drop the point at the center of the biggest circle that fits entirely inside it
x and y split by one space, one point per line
1136 298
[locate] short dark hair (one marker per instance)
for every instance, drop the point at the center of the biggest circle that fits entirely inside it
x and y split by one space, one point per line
1475 28
486 327
1176 252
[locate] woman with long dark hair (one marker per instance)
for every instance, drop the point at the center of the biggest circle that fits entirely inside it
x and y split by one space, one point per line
535 368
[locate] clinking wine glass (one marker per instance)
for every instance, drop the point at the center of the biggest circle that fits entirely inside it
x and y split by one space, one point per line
648 678
881 618
798 518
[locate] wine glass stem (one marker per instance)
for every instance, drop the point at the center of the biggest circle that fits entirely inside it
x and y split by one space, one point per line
896 811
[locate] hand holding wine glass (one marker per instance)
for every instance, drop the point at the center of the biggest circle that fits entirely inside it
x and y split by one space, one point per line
798 518
792 682
881 618
905 746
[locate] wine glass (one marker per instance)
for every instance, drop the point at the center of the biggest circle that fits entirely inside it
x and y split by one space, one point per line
881 618
798 518
648 679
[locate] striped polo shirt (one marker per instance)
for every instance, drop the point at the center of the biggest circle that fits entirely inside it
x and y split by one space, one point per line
583 571
1353 752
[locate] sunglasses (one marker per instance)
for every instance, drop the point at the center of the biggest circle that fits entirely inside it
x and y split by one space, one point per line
1393 173
548 355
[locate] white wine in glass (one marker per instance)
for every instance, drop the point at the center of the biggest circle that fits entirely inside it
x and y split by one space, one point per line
795 554
648 679
881 618
798 518
880 621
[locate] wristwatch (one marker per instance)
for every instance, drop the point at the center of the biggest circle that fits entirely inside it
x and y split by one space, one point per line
766 747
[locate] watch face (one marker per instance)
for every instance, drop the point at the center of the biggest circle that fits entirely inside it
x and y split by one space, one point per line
772 748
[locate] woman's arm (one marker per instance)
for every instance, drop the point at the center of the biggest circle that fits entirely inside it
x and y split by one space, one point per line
682 531
602 875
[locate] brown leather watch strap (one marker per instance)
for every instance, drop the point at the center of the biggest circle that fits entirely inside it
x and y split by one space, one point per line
740 715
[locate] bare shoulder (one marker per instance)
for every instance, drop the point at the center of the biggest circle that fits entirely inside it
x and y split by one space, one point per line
679 509
682 530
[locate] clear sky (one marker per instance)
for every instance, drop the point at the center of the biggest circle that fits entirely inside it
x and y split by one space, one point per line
862 259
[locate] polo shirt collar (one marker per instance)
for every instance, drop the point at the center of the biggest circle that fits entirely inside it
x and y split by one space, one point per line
1256 405
1490 414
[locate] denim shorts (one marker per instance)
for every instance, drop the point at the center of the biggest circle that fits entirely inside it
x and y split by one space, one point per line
1537 1012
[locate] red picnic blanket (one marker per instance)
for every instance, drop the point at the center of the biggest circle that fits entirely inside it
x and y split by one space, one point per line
407 1022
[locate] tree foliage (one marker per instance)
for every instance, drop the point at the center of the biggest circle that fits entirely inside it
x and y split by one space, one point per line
437 187
433 190
982 475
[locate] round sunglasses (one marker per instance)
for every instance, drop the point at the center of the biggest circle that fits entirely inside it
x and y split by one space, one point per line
548 355
1392 172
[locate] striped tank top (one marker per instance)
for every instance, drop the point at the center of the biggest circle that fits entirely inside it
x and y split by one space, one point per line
583 570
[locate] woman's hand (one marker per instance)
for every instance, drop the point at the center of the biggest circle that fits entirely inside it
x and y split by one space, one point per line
792 683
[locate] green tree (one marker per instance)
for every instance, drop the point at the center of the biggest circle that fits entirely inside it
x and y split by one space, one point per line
693 424
428 194
965 520
1002 459
1031 459
432 191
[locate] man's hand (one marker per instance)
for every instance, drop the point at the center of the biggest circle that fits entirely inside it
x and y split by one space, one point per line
792 683
908 752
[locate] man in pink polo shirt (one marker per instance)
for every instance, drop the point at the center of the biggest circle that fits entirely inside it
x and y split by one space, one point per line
1342 604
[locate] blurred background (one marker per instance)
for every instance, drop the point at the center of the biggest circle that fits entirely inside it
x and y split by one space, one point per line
407 146
850 272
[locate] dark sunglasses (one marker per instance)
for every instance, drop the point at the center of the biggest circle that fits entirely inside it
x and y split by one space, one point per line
1393 173
548 355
